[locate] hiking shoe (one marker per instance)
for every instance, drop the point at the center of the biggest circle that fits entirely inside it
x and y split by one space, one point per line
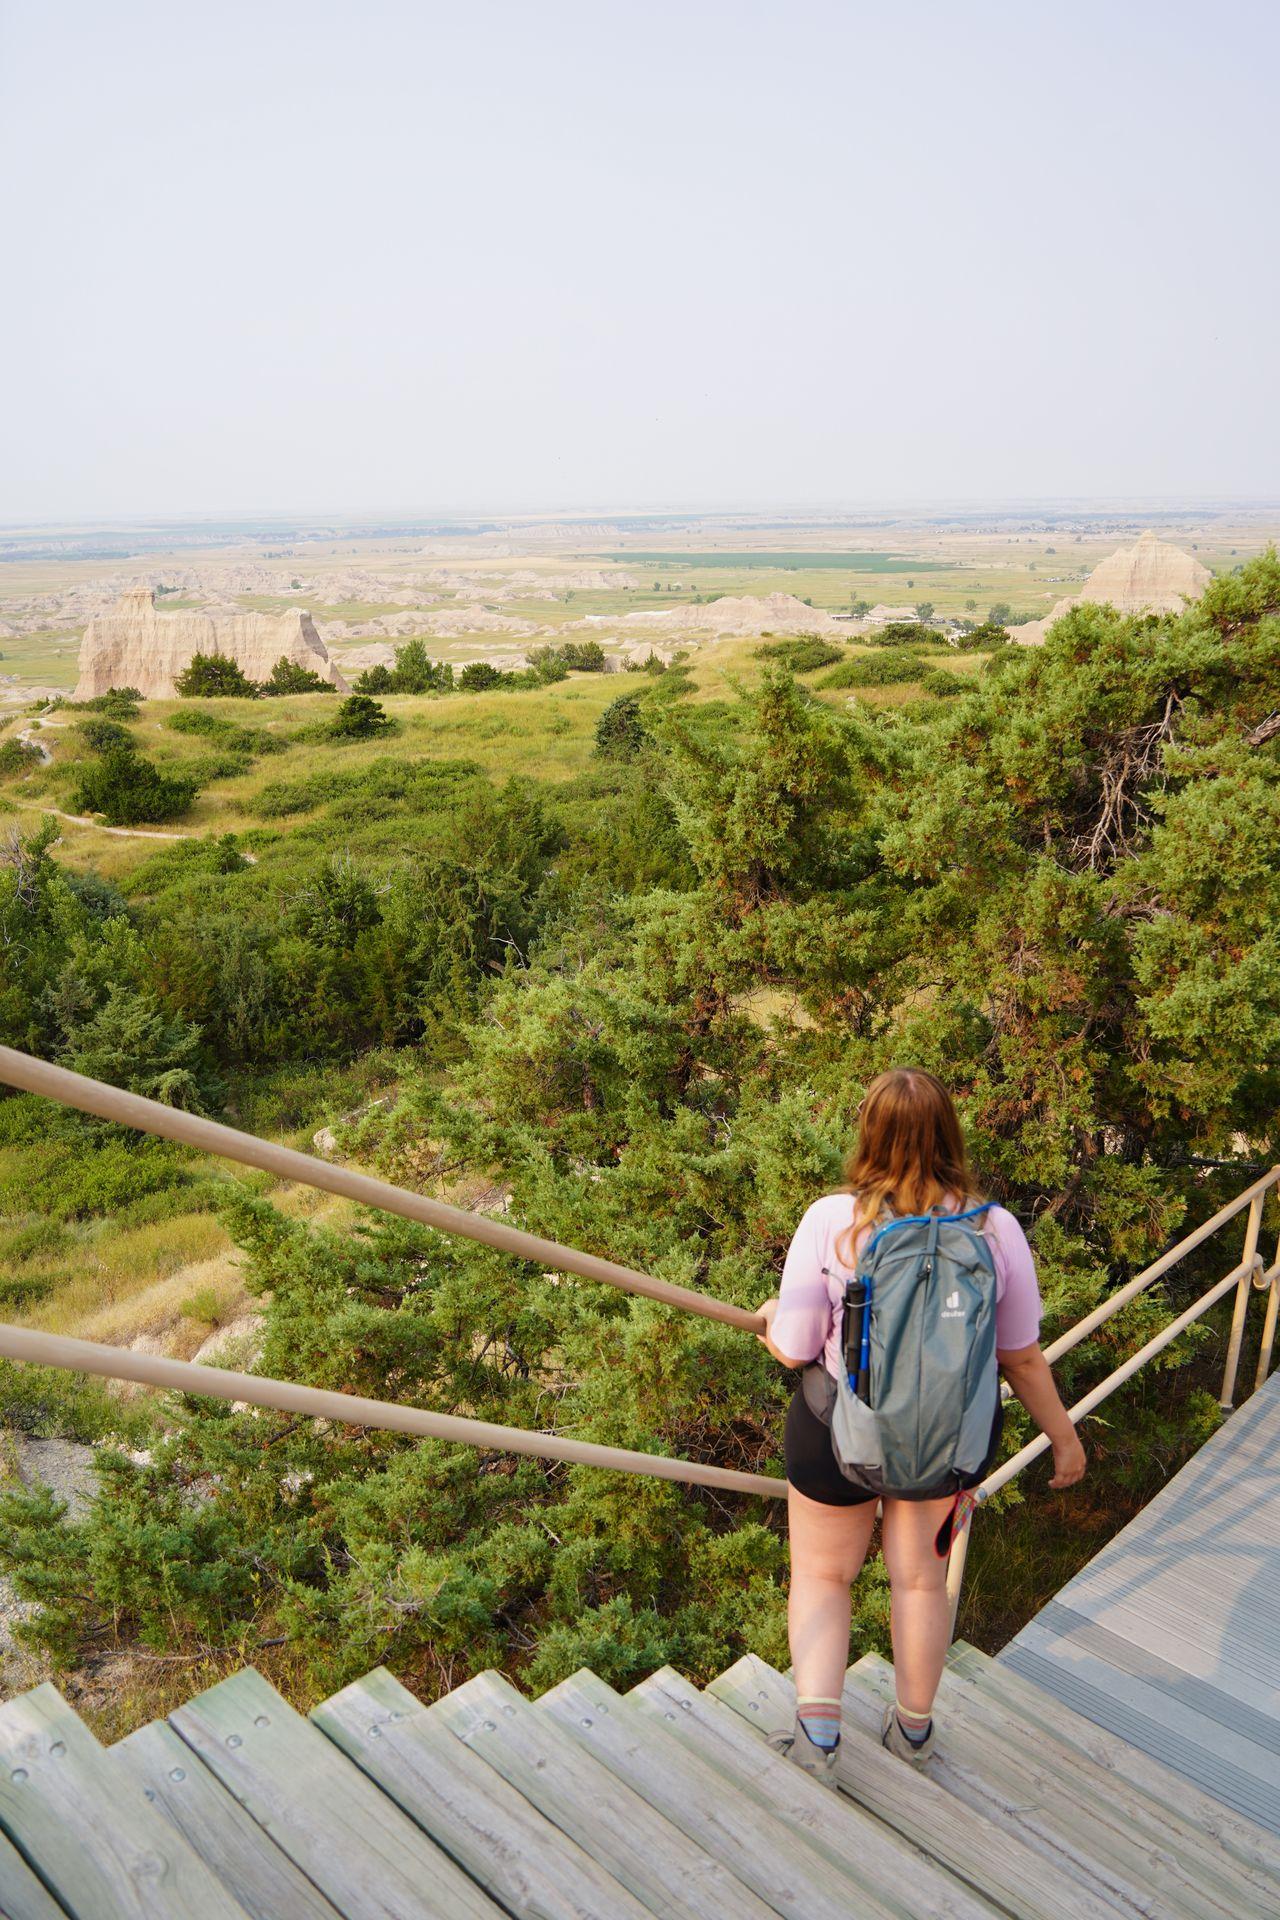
807 1754
895 1740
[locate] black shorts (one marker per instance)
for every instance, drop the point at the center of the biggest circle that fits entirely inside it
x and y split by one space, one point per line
811 1463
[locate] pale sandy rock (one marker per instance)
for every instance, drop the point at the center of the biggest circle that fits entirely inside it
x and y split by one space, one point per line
880 616
472 619
640 650
1152 576
764 613
438 623
136 645
357 659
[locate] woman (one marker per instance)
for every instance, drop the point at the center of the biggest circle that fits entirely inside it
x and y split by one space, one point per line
909 1158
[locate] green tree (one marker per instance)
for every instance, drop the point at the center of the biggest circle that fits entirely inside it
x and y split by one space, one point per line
288 677
128 789
982 639
360 718
375 679
414 672
620 730
17 756
103 736
213 675
130 1041
478 676
118 703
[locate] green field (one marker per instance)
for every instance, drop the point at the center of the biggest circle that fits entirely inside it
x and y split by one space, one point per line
40 659
783 559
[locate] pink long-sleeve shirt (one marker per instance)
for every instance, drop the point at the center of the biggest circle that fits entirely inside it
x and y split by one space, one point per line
811 1296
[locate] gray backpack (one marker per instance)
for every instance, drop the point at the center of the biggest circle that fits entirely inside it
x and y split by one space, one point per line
913 1409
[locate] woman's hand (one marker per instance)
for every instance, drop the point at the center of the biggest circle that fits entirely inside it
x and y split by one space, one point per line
766 1312
1027 1372
1068 1461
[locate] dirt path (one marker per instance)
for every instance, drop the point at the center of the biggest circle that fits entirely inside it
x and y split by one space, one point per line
31 738
122 833
125 833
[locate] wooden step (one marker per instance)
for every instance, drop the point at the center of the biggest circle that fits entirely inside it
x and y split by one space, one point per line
215 1825
1097 1793
22 1895
366 1857
1026 1796
1255 1846
790 1874
93 1838
1204 1746
652 1857
902 1878
530 1867
993 1860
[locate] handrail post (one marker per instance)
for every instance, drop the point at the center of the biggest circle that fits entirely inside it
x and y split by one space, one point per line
1272 1280
1244 1287
957 1555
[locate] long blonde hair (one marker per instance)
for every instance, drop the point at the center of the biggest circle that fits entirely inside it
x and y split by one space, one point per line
909 1151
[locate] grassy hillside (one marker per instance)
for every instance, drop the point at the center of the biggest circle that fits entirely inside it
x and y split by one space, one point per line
630 986
169 1276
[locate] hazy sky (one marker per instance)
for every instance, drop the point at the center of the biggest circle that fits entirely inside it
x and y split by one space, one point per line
265 255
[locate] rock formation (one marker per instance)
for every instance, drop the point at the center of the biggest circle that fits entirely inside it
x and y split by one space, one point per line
136 646
1151 577
731 614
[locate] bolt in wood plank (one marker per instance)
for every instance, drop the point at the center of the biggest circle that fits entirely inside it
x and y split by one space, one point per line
996 1863
903 1878
227 1838
22 1895
92 1838
366 1856
1255 1846
1095 1793
1028 1797
534 1870
792 1876
652 1858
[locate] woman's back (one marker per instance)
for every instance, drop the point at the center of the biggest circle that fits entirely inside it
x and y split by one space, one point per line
807 1324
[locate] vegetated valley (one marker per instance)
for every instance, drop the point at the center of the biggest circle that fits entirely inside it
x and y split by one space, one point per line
616 952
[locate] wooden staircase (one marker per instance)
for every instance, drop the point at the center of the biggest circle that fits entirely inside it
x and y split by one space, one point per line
594 1805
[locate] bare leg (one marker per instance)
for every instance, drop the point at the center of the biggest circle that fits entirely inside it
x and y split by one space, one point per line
828 1547
918 1582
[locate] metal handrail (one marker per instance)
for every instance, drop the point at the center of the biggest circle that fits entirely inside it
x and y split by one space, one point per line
1249 1274
69 1089
1170 1258
132 1110
318 1403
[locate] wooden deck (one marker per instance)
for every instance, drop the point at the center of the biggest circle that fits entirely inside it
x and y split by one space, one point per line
1170 1638
593 1805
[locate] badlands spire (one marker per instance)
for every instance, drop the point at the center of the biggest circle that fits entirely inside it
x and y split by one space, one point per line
135 646
1149 577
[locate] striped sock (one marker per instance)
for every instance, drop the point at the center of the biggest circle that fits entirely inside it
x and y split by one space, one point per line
914 1725
821 1721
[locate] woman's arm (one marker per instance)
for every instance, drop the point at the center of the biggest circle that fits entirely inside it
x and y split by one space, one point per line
1027 1372
768 1310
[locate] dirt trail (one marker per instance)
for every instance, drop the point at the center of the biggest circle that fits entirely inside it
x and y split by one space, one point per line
125 833
31 738
122 833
